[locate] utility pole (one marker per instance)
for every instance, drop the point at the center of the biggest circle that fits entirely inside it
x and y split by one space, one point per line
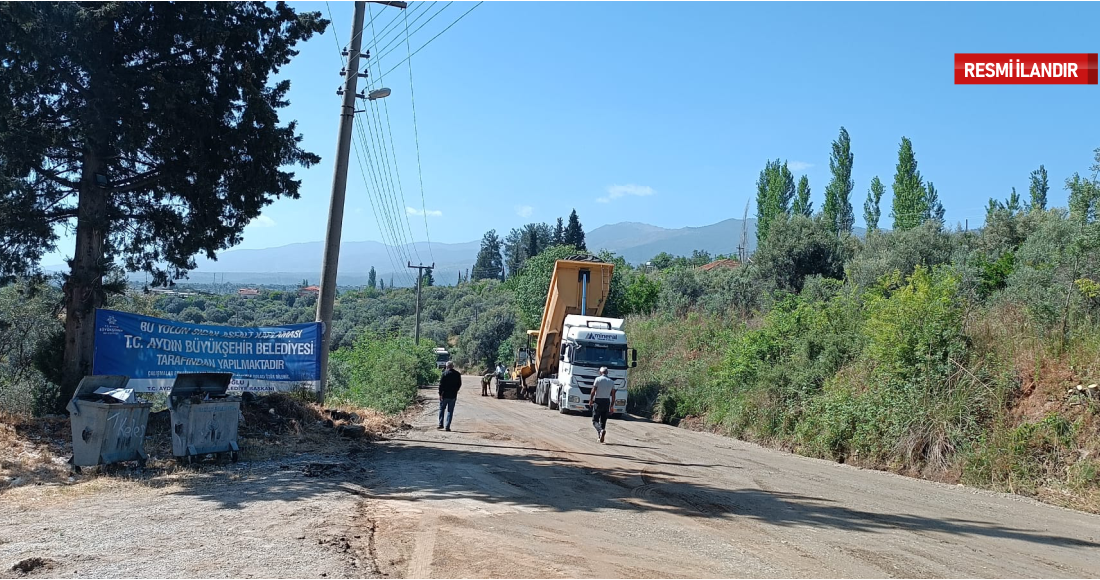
419 282
327 299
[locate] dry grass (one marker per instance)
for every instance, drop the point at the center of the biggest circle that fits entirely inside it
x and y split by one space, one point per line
34 452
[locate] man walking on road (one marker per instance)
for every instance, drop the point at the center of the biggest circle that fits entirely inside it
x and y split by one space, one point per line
603 392
449 384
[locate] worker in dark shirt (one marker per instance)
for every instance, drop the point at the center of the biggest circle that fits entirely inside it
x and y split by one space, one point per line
449 384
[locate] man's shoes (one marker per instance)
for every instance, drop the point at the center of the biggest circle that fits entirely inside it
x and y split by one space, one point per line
602 433
447 429
439 427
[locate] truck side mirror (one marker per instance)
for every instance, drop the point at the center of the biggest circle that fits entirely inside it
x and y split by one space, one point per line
562 358
633 357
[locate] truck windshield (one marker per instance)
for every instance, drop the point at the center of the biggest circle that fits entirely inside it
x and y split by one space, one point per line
442 357
600 356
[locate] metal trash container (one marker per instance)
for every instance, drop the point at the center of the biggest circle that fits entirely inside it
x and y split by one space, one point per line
204 417
107 428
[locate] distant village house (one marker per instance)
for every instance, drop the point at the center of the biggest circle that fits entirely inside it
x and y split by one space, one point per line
730 264
248 293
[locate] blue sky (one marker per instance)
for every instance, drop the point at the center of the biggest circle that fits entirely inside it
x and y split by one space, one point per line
526 110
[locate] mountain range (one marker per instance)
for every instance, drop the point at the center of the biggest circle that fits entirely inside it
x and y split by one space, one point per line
293 263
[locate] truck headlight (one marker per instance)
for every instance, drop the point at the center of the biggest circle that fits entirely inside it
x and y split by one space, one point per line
620 402
574 399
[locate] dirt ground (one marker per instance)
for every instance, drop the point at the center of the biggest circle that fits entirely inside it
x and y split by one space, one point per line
516 490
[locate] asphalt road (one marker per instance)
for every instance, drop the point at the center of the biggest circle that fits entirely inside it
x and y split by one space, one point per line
516 490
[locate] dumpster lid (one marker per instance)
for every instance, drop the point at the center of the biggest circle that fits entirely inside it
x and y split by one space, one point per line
91 383
190 384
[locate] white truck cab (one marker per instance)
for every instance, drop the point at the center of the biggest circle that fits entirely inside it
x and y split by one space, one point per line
588 343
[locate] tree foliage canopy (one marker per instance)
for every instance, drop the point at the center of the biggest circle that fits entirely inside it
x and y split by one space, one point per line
162 111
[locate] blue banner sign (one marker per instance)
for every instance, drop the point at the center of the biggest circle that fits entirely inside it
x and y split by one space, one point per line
152 350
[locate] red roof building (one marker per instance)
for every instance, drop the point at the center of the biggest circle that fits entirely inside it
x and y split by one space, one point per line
720 264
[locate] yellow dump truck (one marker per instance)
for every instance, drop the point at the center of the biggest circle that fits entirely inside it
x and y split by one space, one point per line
563 357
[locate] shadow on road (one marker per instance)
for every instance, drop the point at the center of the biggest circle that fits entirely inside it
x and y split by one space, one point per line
403 470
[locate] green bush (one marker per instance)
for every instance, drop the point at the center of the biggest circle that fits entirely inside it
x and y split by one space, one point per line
380 372
28 322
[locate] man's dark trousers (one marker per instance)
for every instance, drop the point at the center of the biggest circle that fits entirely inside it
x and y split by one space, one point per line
447 405
600 411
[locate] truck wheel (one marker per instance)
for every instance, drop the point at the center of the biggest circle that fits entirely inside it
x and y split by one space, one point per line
561 407
551 403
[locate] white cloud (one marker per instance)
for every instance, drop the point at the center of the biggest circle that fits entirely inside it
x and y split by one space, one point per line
799 165
262 222
427 212
617 191
524 210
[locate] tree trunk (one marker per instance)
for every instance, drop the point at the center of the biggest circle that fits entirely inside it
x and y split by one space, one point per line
84 288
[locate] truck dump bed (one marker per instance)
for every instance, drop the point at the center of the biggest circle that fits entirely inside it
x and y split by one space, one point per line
577 287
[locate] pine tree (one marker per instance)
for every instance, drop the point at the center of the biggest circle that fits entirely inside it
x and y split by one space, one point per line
838 194
933 208
910 201
802 204
152 129
372 278
1012 204
514 253
872 210
774 191
489 263
1038 189
993 207
574 233
559 234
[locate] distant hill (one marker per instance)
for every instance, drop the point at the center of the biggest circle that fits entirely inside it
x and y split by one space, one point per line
638 243
292 263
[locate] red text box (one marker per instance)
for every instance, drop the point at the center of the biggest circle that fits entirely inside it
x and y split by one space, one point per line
1025 69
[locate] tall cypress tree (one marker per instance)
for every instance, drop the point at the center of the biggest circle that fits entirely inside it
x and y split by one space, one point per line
910 197
1038 189
838 194
574 233
559 234
372 278
872 209
774 191
802 204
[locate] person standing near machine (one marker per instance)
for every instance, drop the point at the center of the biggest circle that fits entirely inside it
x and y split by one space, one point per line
603 392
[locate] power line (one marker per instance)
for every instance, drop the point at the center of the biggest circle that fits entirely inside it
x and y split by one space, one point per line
396 166
396 30
435 37
382 207
416 137
385 50
360 162
389 252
